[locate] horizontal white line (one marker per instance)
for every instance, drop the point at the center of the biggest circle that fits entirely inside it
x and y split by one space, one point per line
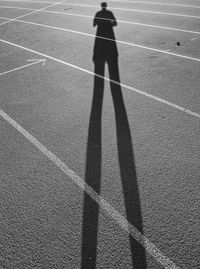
125 1
188 111
20 8
120 21
112 213
155 3
118 41
116 8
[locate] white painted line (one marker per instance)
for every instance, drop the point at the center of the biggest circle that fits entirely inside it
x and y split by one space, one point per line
111 212
121 21
20 8
116 8
126 1
183 109
118 41
22 16
33 62
194 39
155 3
43 61
128 22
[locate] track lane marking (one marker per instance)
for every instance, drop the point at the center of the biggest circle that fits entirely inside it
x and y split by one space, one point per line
20 8
30 13
33 62
158 99
118 41
128 1
120 9
111 212
155 3
121 21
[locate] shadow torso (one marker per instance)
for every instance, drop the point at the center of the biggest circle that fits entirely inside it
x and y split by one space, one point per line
105 48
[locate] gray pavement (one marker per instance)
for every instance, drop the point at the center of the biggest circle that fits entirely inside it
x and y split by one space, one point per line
140 155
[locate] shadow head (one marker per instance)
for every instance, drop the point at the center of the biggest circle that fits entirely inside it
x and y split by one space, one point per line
104 5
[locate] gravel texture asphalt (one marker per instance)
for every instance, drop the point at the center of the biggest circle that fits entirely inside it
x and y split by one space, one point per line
138 152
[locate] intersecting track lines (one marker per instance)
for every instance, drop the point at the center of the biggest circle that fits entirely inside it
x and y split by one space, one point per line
180 108
37 10
118 41
33 62
155 3
117 8
107 208
103 204
131 2
91 17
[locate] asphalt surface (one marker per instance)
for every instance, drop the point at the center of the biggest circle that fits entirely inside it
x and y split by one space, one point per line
138 155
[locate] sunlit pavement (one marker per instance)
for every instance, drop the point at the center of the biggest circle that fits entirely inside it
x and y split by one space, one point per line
91 178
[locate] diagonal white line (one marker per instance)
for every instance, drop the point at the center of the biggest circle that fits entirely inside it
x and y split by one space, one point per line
116 8
138 10
91 17
154 3
111 212
125 1
22 67
118 41
32 12
183 109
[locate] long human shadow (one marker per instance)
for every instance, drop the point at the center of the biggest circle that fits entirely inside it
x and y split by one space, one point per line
94 159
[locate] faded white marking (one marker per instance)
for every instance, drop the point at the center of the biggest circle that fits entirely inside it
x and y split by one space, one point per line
33 62
43 61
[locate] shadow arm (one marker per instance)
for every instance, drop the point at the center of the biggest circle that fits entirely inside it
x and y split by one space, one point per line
95 22
113 20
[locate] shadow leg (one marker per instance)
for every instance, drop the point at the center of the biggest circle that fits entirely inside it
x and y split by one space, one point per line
127 166
93 173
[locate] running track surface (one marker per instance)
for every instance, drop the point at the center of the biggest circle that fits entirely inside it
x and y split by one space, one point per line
144 156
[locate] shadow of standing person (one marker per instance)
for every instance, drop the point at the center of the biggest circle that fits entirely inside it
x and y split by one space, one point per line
105 51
